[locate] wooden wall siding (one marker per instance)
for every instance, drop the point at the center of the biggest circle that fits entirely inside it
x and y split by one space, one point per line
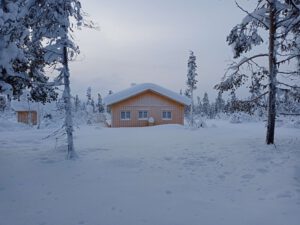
24 117
149 101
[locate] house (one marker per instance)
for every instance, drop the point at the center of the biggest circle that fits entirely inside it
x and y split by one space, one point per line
144 105
27 112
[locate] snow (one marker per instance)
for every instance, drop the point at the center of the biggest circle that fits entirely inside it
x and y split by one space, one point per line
139 88
162 175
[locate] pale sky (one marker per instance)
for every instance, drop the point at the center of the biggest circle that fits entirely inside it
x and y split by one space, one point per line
149 41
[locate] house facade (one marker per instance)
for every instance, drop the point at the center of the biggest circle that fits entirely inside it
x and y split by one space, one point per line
145 105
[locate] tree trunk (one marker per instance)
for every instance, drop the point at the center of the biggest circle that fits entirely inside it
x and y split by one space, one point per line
272 76
67 100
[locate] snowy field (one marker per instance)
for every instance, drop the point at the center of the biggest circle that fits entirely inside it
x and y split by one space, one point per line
164 175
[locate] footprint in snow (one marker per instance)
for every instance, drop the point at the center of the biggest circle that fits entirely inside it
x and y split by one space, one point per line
211 159
168 158
248 176
286 194
168 192
262 170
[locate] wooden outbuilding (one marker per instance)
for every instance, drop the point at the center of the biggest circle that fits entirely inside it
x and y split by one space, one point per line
145 105
27 112
28 117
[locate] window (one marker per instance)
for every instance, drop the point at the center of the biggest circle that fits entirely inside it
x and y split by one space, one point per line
143 115
125 115
166 115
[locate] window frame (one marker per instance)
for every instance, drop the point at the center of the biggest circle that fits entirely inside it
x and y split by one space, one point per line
143 115
166 112
126 113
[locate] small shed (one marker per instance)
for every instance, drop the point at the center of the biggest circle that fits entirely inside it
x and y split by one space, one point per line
27 112
145 105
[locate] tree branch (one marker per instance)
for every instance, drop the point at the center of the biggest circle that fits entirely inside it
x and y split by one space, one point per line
287 59
296 87
258 97
249 14
245 60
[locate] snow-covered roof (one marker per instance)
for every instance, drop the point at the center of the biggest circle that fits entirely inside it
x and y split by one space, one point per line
24 105
139 88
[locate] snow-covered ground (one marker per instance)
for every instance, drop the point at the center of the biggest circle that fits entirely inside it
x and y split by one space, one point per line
165 175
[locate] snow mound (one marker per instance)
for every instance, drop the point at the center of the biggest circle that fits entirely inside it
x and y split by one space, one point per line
7 125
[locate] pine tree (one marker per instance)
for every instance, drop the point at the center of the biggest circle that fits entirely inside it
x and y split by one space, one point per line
21 52
89 95
100 105
13 33
281 21
198 106
93 105
2 103
205 105
220 103
77 103
191 82
233 105
57 20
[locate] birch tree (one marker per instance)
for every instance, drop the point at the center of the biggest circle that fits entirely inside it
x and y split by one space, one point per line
191 82
279 21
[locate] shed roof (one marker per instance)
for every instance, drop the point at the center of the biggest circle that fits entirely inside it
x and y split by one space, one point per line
24 106
139 88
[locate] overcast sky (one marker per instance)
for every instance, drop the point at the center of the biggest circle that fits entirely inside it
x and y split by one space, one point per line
149 41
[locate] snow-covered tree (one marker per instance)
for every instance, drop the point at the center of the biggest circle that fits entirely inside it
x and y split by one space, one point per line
13 33
2 103
56 21
100 105
281 21
93 105
198 106
220 103
191 82
89 95
21 55
205 104
77 103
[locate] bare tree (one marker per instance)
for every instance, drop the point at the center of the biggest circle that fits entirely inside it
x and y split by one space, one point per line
280 19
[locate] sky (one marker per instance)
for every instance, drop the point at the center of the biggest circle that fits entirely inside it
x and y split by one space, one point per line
141 41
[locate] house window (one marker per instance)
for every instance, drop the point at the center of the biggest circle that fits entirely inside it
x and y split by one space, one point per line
143 115
125 115
166 115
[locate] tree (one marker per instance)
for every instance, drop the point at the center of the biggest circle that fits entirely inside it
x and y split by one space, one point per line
205 105
89 95
21 56
55 20
198 107
77 103
220 103
281 21
2 103
100 105
13 78
191 81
